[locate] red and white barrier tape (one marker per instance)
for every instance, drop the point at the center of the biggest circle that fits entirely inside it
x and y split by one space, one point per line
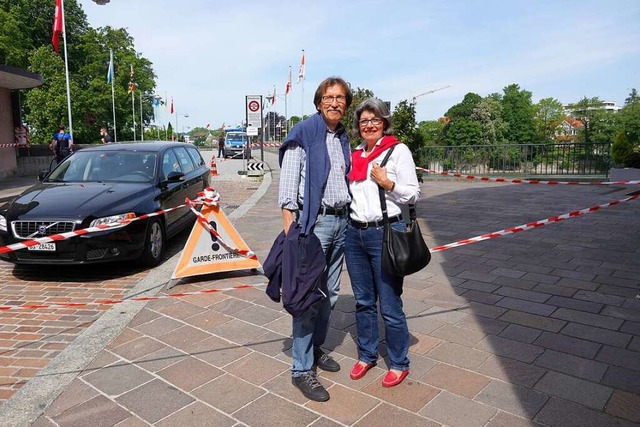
119 301
209 196
530 225
14 145
63 236
524 181
266 144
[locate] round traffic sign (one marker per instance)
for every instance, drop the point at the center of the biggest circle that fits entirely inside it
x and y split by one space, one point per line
254 106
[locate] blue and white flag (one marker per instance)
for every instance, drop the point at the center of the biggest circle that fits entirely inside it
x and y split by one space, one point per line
110 70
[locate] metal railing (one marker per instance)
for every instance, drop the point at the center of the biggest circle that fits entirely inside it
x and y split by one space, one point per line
519 159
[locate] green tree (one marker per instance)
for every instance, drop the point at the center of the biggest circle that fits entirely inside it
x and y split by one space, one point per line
25 41
406 130
458 131
464 109
630 118
621 149
518 112
488 113
432 132
359 95
599 125
633 97
464 132
170 131
549 113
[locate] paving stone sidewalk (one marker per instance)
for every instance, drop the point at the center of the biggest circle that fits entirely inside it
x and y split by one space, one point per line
536 328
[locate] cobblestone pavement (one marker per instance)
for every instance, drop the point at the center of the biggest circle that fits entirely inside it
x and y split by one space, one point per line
31 338
536 328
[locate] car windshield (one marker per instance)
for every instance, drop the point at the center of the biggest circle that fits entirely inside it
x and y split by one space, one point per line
100 166
236 137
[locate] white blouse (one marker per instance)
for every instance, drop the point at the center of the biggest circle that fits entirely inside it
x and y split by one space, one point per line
401 169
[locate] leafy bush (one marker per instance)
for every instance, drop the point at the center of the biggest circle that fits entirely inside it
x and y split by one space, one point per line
621 149
633 160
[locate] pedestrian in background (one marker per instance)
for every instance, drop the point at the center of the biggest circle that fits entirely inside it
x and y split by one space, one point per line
106 138
61 144
372 284
314 161
221 147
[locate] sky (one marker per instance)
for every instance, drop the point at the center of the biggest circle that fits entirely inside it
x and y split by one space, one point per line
208 55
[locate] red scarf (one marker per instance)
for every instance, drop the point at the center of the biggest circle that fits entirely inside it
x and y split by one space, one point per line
360 165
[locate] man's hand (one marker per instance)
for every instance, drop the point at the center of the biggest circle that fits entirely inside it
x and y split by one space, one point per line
288 217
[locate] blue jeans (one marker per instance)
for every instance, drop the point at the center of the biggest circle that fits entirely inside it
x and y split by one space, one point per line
310 330
371 283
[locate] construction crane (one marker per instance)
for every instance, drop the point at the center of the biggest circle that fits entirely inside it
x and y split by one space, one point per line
427 93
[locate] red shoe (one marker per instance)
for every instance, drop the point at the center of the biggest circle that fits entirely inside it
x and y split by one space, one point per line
359 370
391 379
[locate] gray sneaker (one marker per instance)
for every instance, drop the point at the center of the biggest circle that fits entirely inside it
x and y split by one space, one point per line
325 362
309 385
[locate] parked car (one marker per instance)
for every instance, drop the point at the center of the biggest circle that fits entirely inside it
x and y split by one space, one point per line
103 185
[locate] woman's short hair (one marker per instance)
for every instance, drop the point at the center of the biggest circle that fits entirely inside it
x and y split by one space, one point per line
328 82
377 107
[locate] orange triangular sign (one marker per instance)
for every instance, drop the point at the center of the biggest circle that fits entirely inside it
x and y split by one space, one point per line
203 253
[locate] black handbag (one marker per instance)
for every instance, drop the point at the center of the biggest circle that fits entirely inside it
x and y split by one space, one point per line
403 252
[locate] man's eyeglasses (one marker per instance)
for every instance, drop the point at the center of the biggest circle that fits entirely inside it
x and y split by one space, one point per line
376 121
328 99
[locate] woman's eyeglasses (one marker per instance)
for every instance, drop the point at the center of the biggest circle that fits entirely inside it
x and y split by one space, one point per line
328 99
376 121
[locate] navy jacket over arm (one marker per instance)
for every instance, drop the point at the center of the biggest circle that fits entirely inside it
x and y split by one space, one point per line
295 268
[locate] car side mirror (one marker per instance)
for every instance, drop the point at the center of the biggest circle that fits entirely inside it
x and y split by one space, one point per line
42 175
175 176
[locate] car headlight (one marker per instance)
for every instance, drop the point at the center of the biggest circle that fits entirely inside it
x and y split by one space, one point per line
107 220
3 223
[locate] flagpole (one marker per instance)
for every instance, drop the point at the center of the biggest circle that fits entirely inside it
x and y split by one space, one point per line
301 74
141 124
133 112
286 93
66 69
166 128
113 96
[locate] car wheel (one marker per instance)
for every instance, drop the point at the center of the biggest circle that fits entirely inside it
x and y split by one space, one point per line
153 244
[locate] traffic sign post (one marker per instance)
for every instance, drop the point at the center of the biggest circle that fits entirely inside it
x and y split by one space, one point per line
254 115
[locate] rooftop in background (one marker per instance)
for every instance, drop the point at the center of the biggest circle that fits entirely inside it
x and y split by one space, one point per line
17 78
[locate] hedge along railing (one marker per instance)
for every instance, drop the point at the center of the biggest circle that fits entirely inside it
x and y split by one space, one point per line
526 159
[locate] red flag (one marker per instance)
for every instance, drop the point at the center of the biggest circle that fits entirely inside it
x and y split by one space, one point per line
57 25
288 88
301 70
273 98
222 127
171 106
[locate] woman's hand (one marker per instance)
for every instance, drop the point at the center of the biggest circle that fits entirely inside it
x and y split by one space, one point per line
379 175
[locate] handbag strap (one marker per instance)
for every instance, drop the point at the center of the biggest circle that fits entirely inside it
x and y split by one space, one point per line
383 200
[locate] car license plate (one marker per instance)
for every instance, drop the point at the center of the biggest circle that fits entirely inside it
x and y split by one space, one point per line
49 247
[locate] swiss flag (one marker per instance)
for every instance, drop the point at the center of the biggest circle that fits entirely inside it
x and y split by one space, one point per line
57 25
171 106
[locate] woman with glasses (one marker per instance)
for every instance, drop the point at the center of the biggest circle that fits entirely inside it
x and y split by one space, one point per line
372 285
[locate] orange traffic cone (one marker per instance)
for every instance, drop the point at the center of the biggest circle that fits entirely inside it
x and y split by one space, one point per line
214 167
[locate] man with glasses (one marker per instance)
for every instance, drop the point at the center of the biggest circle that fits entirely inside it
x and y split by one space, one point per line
315 160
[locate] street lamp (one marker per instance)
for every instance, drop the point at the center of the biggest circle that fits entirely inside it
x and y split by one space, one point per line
101 2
